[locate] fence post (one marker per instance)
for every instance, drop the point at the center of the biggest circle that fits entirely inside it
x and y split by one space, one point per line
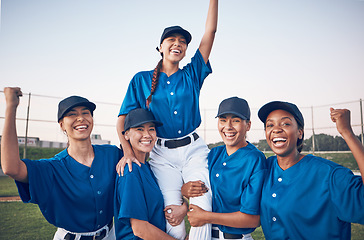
26 129
361 120
313 133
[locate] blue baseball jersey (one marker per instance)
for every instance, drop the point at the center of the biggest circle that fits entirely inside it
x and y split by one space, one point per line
175 103
236 182
71 195
313 199
137 195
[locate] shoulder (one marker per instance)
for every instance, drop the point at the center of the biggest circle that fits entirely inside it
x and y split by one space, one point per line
143 75
107 148
217 150
254 151
321 163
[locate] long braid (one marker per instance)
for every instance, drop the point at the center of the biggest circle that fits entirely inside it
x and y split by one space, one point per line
155 79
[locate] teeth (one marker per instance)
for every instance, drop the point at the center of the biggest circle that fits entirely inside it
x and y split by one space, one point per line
81 127
176 51
279 140
229 134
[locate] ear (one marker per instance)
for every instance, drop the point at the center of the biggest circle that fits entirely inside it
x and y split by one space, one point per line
62 125
248 124
300 133
126 135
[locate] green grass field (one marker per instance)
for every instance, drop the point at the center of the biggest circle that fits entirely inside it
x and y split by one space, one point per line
25 222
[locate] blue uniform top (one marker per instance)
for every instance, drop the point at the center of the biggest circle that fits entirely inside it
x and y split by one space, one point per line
71 195
175 103
236 182
313 199
137 195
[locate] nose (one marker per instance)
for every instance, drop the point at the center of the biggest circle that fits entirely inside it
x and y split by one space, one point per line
276 129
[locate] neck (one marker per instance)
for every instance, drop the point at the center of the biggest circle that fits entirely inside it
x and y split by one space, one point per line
141 156
288 161
232 149
169 67
82 152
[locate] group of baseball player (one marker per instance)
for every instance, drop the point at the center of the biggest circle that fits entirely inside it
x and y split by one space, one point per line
164 170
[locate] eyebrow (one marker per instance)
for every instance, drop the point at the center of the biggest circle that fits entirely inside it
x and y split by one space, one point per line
268 119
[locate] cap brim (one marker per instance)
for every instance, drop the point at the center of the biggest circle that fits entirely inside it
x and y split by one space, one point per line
276 105
235 113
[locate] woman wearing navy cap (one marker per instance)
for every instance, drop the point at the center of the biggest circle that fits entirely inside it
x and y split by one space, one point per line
75 189
138 200
304 196
172 95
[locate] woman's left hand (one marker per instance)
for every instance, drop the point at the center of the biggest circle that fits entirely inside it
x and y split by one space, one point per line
196 216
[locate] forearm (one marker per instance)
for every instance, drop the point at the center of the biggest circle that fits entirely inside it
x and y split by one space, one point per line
147 231
210 30
356 148
10 161
123 142
235 219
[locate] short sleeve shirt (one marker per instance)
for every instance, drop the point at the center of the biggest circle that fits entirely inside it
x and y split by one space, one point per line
236 182
137 195
175 102
71 195
313 199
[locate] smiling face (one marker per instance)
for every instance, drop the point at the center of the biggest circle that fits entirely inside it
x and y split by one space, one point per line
142 139
77 123
233 130
282 133
174 48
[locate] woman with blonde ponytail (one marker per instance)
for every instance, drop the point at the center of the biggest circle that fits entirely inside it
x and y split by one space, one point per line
172 95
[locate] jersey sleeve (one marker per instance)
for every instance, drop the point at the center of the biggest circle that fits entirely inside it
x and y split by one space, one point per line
130 193
137 92
347 195
40 182
198 69
250 199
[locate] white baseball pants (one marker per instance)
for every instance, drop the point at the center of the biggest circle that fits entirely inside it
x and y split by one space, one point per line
173 168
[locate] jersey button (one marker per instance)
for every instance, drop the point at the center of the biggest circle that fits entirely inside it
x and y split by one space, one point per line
224 164
99 192
168 82
274 195
91 176
101 212
179 131
172 93
217 175
175 112
280 179
274 219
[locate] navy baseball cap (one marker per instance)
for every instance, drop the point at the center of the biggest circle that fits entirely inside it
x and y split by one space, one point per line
139 116
234 105
286 106
176 29
67 104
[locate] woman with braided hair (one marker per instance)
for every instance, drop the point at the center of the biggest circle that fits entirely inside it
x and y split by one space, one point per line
172 95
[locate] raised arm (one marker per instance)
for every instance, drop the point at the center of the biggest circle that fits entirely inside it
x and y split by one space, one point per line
147 231
210 30
342 119
10 161
129 155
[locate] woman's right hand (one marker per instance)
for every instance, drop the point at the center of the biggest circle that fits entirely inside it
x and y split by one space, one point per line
194 189
12 95
126 159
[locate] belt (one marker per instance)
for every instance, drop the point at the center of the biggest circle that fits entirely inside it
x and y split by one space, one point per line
178 143
98 236
215 234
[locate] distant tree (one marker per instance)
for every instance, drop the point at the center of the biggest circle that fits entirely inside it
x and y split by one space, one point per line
262 145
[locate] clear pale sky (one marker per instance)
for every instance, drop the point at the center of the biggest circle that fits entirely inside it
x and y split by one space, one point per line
309 52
